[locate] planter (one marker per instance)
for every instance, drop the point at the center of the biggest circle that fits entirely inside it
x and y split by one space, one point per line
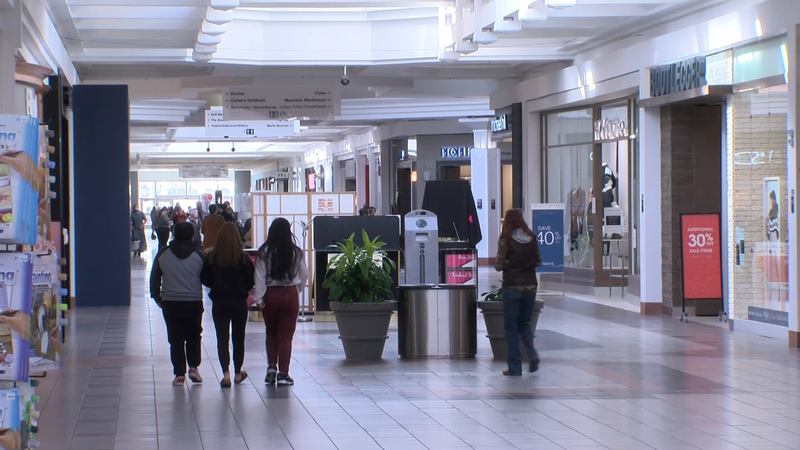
495 331
363 328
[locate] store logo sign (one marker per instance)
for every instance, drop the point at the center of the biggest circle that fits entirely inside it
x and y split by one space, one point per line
500 123
457 152
609 129
678 77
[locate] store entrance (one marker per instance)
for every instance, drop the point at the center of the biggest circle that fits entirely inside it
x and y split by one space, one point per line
404 187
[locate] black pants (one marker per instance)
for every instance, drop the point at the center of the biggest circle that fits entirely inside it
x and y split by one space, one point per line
184 327
227 315
163 237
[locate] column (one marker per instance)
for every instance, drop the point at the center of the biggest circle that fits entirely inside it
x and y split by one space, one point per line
101 202
485 172
650 210
793 120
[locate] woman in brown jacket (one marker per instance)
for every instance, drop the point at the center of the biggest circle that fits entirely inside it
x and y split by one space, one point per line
518 257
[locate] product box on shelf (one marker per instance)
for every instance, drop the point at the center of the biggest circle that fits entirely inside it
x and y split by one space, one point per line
20 179
16 283
10 436
28 416
45 334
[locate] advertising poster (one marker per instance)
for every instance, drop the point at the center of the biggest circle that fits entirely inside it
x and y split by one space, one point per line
702 256
460 267
10 435
548 226
19 173
16 271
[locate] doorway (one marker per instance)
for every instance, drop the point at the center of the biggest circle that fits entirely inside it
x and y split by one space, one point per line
404 187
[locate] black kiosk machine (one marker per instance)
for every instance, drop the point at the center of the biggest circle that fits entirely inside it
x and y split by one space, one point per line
459 229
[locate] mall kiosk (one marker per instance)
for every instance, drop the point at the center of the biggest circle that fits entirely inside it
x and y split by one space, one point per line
437 311
328 231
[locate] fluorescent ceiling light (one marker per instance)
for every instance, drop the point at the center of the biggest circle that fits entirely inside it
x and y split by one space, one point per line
759 28
560 4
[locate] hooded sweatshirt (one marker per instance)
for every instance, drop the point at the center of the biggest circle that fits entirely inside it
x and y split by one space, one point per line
176 273
518 258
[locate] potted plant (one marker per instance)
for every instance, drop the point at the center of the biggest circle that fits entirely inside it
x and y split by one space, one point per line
360 285
492 310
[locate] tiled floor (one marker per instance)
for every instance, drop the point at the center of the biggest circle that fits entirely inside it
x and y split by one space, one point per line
610 378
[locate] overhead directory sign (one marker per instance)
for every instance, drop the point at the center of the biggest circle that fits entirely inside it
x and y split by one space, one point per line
548 226
216 126
280 103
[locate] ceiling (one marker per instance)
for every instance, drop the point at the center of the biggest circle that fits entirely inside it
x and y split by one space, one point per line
407 59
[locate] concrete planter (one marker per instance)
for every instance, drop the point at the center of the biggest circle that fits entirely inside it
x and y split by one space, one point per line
363 328
493 318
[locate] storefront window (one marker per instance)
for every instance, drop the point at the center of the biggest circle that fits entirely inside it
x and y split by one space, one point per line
757 200
147 189
591 175
570 181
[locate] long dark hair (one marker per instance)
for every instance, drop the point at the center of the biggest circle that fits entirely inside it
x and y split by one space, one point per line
279 252
228 250
513 221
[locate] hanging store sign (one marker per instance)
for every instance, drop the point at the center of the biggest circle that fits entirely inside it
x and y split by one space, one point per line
610 129
217 126
678 77
280 103
457 152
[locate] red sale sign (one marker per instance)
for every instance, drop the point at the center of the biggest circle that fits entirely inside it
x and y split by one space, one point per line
702 256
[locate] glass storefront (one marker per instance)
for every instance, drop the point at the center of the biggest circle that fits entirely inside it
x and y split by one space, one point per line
758 195
589 156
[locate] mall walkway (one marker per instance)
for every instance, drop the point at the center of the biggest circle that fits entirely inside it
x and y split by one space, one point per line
609 379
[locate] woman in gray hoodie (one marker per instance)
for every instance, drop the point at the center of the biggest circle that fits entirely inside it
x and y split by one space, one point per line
518 257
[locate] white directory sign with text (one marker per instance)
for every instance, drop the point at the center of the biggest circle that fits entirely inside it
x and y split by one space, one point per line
280 103
216 126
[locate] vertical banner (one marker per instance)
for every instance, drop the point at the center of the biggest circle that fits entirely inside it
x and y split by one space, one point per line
702 256
548 225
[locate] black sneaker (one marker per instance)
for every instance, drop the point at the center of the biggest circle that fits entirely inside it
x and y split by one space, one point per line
271 372
533 366
285 380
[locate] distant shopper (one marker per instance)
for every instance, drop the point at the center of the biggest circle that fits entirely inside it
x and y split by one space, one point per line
373 211
161 225
180 215
517 257
201 214
280 272
229 272
195 221
153 216
210 227
175 286
138 219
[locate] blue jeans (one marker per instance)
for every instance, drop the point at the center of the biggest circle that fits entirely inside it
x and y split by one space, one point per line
518 307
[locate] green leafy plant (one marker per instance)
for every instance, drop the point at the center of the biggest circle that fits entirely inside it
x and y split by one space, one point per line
494 294
360 273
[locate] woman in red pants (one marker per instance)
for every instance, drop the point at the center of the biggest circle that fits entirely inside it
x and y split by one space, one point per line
281 271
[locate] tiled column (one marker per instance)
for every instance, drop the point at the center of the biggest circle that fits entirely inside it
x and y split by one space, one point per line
793 119
650 210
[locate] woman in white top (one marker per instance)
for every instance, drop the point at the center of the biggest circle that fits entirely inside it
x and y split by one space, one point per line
281 271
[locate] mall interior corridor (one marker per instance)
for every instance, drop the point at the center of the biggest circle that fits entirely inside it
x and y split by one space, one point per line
610 378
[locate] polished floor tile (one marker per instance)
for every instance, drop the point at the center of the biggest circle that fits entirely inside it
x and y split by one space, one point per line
609 379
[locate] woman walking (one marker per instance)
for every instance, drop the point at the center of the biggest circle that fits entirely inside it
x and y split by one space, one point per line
162 228
228 271
518 257
138 219
281 271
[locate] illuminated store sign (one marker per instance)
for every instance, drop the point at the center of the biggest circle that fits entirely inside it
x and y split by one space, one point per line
609 129
678 77
457 152
500 123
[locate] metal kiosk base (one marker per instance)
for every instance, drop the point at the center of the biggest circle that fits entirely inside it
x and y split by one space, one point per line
437 320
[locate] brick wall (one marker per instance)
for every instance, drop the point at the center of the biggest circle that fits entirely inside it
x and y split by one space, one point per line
690 183
759 124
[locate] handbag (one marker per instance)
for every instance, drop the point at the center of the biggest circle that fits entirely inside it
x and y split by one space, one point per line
153 235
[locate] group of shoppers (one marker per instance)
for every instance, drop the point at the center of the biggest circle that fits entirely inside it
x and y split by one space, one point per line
180 270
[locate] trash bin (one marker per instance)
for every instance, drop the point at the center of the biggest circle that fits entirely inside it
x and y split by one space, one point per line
437 320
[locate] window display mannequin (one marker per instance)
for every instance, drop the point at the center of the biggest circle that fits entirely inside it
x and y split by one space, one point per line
773 223
609 184
577 206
